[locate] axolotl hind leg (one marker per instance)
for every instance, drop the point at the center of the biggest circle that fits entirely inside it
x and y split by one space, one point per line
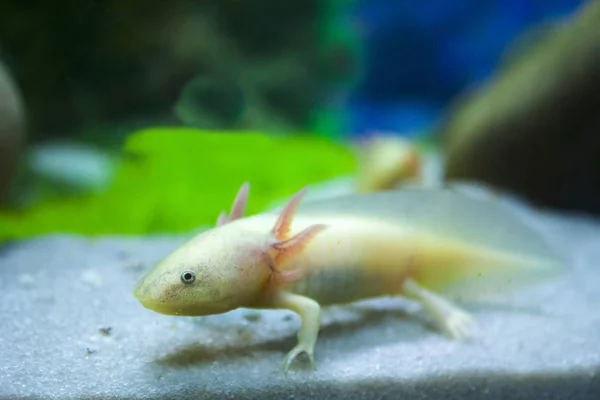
456 322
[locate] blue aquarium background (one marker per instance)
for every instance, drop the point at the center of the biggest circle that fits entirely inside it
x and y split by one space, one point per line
419 55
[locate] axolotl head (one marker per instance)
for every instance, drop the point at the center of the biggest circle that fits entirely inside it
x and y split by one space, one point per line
217 271
230 266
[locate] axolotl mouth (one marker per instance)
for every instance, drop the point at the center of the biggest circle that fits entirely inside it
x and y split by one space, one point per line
152 296
146 299
157 305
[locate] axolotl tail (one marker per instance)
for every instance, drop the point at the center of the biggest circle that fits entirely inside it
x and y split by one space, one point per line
477 244
472 271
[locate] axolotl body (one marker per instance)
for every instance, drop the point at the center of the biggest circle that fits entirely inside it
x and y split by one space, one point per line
414 243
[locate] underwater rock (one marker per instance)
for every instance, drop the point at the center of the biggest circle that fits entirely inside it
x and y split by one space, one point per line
535 128
62 337
12 130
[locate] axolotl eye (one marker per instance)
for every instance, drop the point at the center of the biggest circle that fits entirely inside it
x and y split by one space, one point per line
188 277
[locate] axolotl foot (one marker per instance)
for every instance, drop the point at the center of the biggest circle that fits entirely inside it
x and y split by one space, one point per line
296 351
458 324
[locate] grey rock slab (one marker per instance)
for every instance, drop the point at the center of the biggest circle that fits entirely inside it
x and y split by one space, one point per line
70 328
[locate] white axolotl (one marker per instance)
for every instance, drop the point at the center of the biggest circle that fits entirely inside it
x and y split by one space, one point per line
409 242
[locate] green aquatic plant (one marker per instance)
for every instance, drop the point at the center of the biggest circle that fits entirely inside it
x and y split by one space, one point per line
178 179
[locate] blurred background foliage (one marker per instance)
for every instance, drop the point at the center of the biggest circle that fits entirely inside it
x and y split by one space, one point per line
163 186
138 117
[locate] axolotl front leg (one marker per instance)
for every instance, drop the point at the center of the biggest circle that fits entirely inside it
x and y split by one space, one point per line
281 246
310 314
277 247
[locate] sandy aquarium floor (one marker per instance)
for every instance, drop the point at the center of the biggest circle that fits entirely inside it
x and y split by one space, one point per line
71 329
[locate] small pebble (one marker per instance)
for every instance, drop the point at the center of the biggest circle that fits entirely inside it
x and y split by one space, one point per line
252 316
105 331
92 278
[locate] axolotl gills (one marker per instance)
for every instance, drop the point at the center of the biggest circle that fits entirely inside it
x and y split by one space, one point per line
415 243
